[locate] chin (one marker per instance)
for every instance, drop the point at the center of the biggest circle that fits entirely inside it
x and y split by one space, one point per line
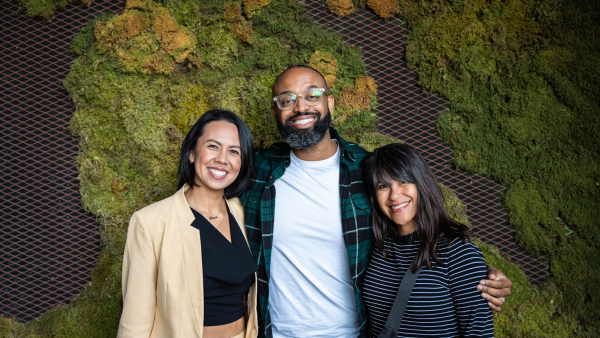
212 185
219 186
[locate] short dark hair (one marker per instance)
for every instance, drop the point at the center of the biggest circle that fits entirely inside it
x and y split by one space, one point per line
300 66
397 161
186 172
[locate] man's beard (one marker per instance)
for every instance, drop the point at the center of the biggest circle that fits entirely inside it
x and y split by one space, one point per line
304 138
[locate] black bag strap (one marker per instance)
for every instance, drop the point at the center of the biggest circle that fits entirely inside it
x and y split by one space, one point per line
404 290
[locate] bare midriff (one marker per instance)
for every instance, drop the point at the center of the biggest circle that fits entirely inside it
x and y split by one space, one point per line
225 330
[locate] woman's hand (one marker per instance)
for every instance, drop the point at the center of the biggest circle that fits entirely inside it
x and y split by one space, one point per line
495 289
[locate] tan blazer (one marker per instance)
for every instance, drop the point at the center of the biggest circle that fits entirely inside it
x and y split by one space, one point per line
162 273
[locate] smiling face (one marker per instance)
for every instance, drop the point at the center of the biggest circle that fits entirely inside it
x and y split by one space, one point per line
217 157
398 202
304 125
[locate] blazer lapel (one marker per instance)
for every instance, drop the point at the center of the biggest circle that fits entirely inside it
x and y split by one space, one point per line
192 256
236 209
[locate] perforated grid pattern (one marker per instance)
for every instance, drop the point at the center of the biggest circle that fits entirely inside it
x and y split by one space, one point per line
48 243
407 113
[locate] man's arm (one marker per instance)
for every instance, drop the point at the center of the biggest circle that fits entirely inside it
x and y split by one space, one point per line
495 289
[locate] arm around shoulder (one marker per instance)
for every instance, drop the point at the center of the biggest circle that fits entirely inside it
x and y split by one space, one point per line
140 272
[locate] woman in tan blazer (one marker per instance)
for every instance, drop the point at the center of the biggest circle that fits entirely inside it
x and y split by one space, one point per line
187 268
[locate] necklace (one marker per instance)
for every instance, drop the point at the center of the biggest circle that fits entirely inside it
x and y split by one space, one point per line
218 226
210 218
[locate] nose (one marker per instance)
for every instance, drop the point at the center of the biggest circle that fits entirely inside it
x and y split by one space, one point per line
395 192
301 106
222 156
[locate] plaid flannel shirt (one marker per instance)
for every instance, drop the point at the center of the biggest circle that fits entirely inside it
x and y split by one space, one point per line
259 207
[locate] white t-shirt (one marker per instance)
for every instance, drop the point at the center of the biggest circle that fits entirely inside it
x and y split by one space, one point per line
310 288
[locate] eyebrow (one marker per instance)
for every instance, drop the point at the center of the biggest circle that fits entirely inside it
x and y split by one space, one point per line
290 92
219 143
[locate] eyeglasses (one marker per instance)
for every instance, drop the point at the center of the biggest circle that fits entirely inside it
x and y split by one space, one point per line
311 97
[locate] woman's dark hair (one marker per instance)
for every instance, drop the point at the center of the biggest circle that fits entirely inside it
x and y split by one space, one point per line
404 163
186 173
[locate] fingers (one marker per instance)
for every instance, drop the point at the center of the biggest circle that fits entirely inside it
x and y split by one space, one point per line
495 289
499 288
495 297
495 274
494 303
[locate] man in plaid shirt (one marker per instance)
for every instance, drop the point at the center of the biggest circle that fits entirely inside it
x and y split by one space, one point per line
310 189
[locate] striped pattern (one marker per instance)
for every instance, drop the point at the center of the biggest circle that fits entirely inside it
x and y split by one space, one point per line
443 303
259 207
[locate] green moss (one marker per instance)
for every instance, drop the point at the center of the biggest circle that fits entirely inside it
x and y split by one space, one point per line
456 209
251 6
145 39
326 64
44 9
219 47
85 37
522 81
135 100
10 327
521 78
189 101
530 311
256 100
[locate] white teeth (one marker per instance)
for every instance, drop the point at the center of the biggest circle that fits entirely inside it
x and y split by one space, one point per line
394 207
217 172
304 121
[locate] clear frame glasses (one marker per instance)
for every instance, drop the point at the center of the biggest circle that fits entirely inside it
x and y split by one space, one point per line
311 96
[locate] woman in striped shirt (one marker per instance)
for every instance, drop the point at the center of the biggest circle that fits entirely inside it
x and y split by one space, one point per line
411 223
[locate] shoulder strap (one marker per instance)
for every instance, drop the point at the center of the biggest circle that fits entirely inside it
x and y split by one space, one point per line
408 282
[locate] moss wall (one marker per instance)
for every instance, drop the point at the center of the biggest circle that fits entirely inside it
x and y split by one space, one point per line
522 78
44 9
142 80
146 75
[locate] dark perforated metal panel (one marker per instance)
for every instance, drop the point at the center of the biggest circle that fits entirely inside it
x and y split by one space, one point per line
48 244
407 113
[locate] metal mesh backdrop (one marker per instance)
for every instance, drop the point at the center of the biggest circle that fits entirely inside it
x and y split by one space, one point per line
48 244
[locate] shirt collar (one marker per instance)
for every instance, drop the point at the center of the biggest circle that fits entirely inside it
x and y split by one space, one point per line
346 152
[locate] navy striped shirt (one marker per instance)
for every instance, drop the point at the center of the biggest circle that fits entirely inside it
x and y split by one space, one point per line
444 302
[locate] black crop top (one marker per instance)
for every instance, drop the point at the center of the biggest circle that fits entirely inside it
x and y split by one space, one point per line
228 271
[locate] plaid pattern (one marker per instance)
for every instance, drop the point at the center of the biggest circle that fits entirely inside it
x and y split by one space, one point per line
259 206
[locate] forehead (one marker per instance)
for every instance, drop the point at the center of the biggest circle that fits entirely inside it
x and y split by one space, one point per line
297 79
222 131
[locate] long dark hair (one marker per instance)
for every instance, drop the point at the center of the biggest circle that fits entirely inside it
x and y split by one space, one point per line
186 173
402 162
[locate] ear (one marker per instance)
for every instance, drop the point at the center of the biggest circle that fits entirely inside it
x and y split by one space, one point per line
330 104
274 111
191 157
